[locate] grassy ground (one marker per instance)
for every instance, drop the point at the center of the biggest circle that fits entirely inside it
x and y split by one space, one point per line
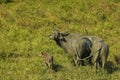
26 24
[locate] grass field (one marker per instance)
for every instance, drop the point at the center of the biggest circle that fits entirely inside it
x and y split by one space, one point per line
26 24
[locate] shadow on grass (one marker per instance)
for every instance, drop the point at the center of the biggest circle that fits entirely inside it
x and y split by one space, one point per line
57 67
6 1
12 55
111 67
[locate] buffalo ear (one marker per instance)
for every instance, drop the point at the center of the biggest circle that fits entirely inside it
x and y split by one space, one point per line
56 30
65 33
61 37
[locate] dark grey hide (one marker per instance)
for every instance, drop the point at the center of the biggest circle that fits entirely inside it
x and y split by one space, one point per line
99 51
77 47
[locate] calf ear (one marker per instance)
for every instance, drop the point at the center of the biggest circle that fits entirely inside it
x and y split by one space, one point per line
42 54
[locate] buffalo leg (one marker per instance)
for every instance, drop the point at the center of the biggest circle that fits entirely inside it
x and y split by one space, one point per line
90 60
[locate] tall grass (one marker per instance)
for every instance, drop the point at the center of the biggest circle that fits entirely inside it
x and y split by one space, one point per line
26 24
5 1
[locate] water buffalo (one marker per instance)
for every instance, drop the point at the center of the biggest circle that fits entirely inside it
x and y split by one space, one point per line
99 51
77 47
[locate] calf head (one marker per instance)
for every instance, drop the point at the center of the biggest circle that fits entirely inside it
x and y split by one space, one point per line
42 55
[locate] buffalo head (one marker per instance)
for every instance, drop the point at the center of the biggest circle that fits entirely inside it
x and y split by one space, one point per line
57 35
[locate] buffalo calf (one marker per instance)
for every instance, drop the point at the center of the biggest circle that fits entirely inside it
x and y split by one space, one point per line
48 59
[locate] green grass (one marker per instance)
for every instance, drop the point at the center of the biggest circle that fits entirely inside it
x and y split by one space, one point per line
26 24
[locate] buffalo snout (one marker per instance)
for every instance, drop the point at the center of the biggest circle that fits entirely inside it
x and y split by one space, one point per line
51 36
